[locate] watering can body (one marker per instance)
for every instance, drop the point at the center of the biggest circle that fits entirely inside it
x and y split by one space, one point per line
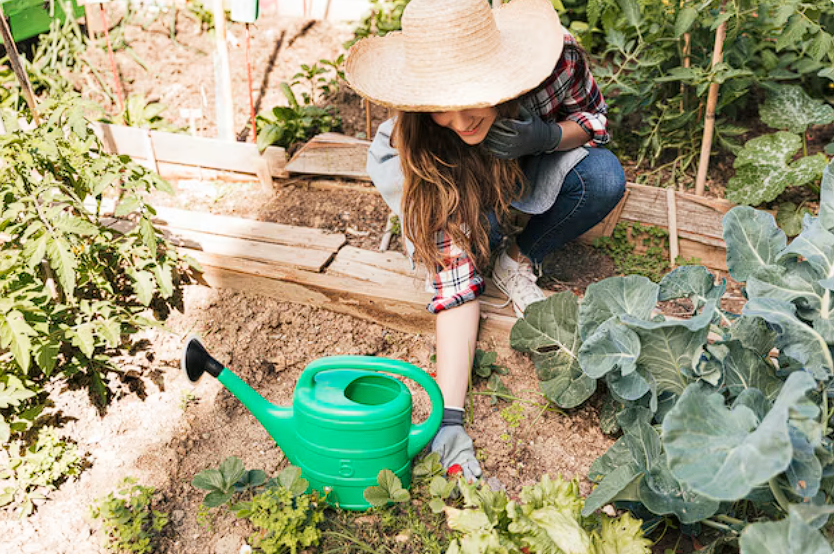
348 422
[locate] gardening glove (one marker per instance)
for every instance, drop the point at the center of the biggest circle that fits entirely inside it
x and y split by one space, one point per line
455 447
512 138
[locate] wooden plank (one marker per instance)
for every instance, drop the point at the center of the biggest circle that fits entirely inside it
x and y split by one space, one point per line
195 151
391 261
396 308
332 154
302 258
275 233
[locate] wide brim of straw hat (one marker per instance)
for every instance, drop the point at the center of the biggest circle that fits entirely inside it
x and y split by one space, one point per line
530 43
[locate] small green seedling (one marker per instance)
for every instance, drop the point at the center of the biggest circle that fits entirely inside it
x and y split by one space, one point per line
390 489
224 482
440 489
429 466
130 522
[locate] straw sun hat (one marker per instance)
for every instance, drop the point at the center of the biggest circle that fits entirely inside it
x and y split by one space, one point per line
458 54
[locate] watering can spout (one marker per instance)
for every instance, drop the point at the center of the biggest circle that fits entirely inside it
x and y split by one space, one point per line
277 420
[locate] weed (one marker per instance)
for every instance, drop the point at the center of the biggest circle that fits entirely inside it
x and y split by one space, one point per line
653 259
187 398
130 522
514 416
140 112
31 474
288 125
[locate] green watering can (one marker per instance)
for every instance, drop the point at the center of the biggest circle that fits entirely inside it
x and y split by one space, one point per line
347 423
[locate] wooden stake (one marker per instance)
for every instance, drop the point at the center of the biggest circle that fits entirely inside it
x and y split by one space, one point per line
17 67
672 217
687 50
709 120
368 119
386 236
222 77
326 10
249 80
117 82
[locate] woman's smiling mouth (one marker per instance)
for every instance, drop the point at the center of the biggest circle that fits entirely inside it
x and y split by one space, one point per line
473 131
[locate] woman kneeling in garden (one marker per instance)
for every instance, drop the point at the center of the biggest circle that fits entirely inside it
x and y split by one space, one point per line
498 121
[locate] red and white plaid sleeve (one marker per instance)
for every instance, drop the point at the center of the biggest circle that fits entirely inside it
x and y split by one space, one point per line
572 94
456 281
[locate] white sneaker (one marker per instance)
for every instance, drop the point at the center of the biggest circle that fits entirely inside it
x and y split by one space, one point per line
517 281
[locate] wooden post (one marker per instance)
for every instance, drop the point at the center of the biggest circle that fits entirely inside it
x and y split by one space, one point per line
326 10
687 50
117 82
17 67
249 81
222 77
672 217
709 120
386 236
368 119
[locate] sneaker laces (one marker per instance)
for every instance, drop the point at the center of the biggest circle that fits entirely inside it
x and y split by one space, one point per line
522 282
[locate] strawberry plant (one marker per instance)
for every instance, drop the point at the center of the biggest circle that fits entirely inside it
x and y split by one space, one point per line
130 523
72 288
714 432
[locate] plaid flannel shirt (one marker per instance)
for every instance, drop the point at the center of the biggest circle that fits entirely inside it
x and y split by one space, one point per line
561 97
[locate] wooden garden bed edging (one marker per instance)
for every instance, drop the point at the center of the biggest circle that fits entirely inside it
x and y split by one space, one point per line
155 147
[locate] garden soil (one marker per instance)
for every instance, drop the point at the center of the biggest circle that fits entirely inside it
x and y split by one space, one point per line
162 430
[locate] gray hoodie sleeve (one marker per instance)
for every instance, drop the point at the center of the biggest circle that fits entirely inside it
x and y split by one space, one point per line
383 166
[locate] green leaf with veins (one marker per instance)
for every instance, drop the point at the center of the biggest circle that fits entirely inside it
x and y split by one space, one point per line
724 454
753 241
614 296
764 169
789 107
612 346
827 197
795 338
789 217
788 536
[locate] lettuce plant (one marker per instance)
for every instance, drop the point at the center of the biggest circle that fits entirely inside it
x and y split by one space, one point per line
711 421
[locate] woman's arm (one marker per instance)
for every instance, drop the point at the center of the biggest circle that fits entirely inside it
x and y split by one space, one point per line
573 135
456 332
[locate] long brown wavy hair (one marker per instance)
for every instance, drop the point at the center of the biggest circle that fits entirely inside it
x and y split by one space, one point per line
451 186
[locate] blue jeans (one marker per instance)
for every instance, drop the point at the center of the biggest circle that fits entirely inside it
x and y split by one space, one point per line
591 190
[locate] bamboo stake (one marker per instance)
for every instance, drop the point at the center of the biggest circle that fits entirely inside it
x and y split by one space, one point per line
709 120
672 216
687 50
386 236
17 67
116 81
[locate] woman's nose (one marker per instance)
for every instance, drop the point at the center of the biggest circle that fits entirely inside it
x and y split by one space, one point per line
459 121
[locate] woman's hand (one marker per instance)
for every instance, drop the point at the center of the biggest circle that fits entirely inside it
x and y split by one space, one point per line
512 138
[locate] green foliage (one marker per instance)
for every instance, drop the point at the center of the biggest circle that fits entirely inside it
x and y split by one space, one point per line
229 479
789 217
485 367
288 125
652 260
139 112
741 439
545 519
789 107
764 169
389 489
654 86
29 474
199 11
319 80
73 285
384 17
286 518
129 520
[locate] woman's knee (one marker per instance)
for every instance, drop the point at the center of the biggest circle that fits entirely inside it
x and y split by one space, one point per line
605 172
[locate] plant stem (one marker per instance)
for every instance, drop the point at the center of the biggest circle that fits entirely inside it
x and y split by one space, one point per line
778 494
824 411
719 526
729 520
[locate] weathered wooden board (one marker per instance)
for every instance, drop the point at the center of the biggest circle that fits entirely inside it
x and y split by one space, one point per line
332 154
396 307
194 151
277 233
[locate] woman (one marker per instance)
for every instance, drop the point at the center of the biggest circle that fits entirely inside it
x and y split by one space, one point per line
496 110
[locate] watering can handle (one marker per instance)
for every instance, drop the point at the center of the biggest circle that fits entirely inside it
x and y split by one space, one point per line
421 433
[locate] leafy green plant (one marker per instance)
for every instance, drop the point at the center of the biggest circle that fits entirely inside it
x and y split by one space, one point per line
29 474
72 284
789 217
485 367
139 112
384 17
764 169
741 439
294 123
545 519
286 517
389 489
229 479
513 416
322 81
652 259
790 108
129 520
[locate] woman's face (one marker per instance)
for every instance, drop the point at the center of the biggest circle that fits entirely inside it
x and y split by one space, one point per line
471 125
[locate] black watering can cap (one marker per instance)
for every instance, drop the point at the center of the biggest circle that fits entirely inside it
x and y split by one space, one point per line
196 360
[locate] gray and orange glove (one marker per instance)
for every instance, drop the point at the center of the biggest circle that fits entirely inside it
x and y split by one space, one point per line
457 452
509 139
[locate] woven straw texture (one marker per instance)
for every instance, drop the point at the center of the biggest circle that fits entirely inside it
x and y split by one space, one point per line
458 54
